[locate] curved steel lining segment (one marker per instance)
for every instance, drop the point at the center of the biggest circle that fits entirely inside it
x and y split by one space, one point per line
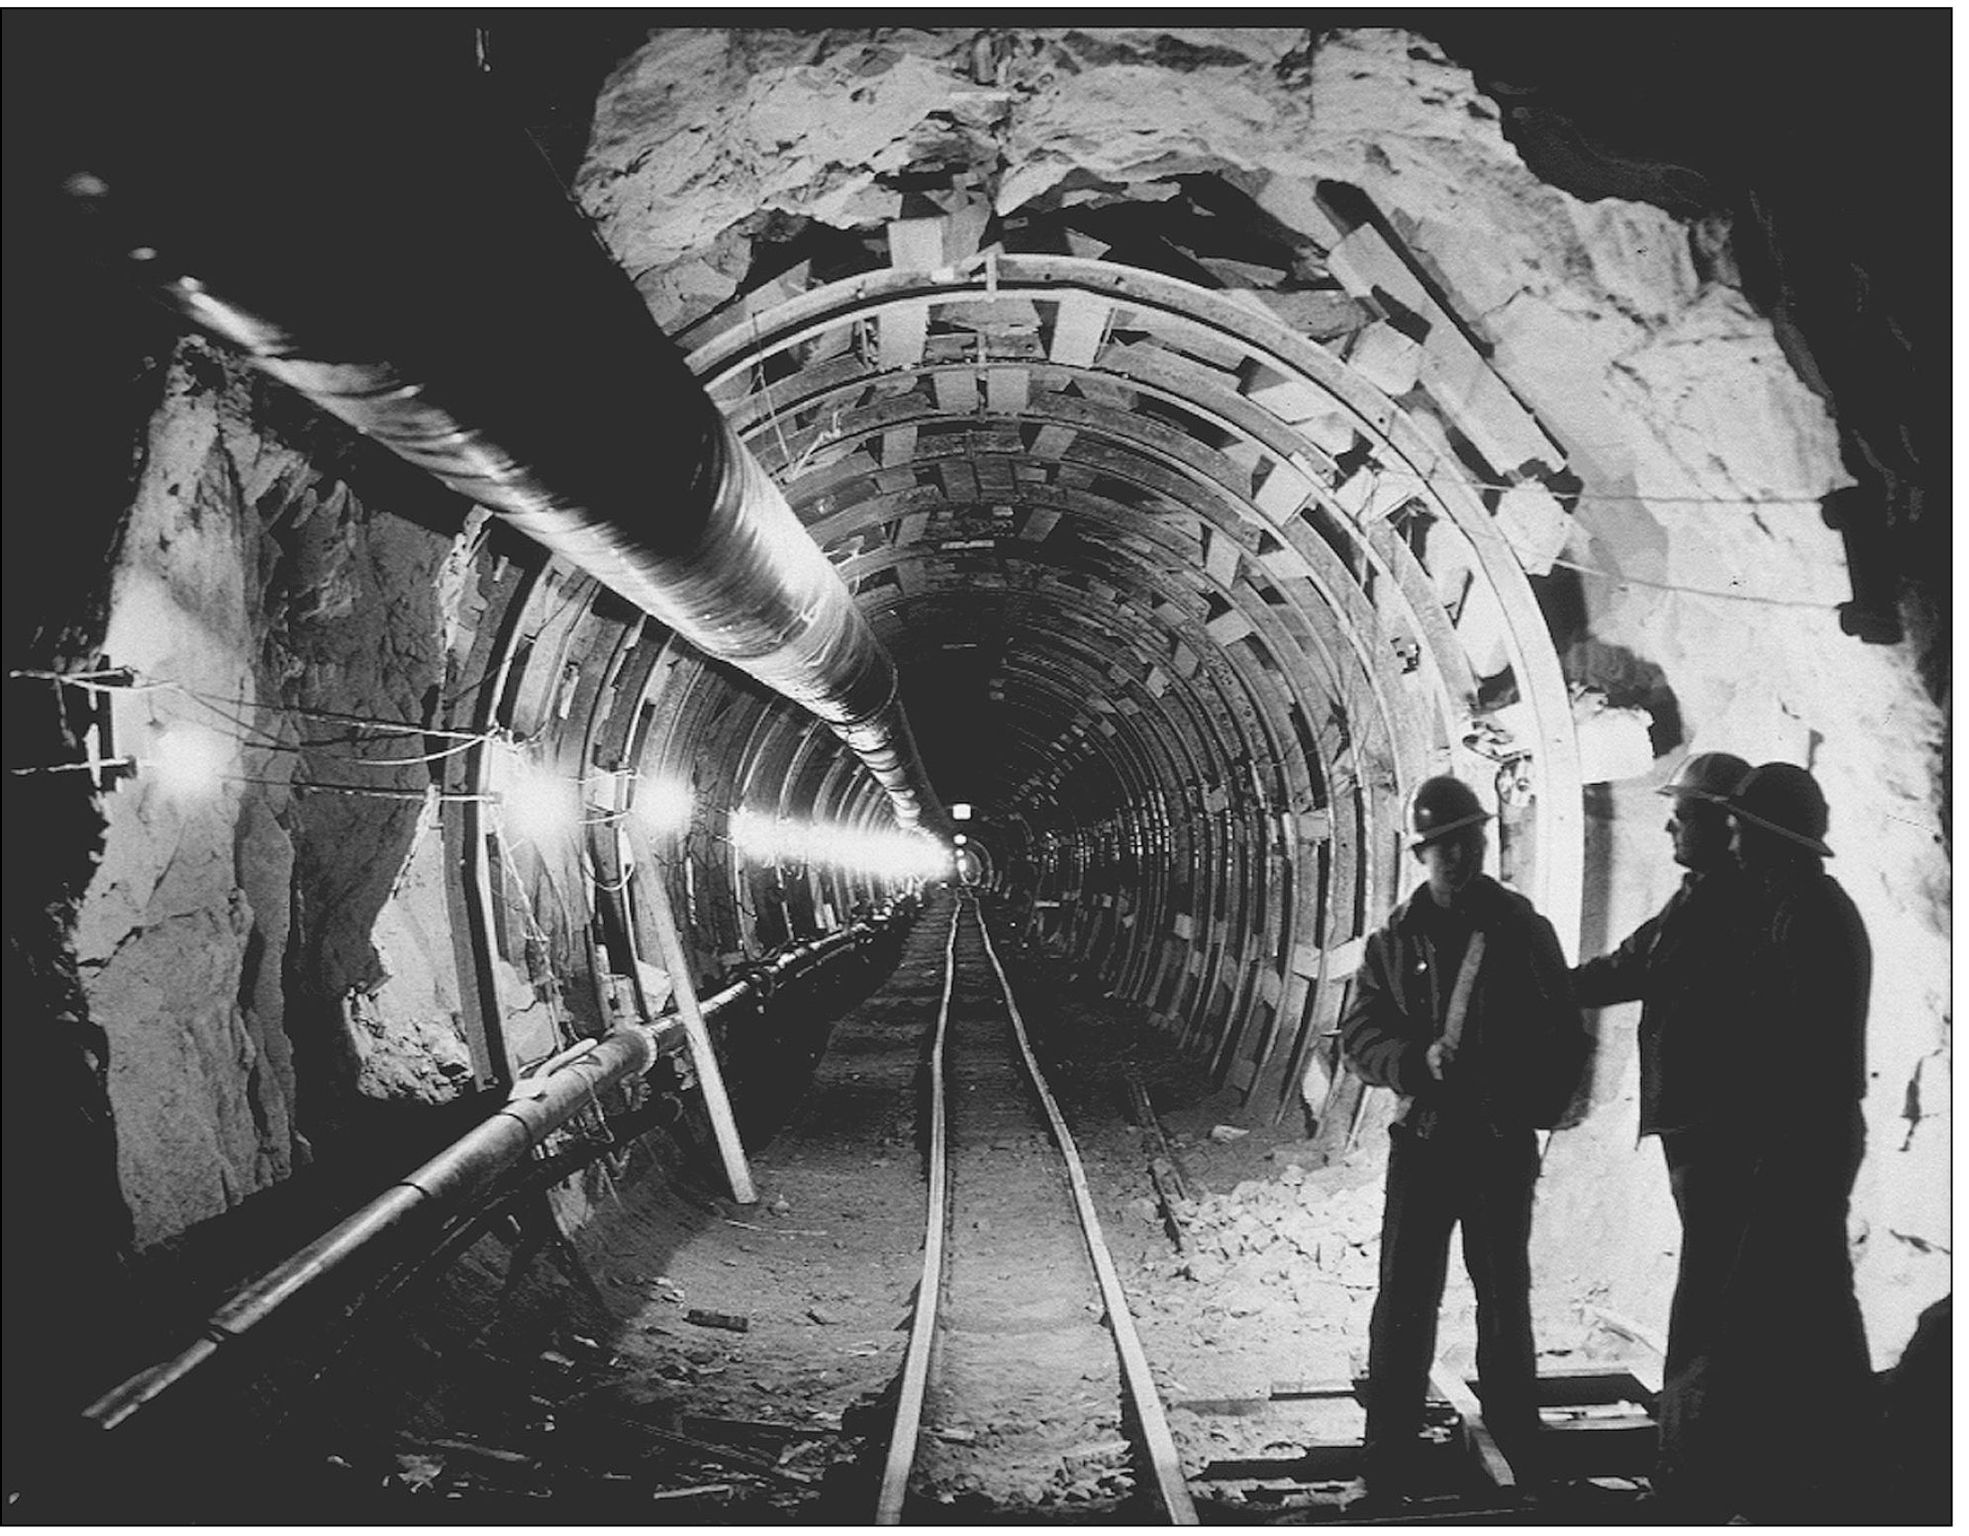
1306 658
1137 756
1263 686
1395 442
1357 872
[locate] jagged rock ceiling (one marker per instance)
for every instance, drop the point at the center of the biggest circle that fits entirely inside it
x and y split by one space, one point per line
1796 149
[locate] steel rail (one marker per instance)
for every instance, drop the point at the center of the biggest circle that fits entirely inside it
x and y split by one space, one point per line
922 1331
1160 1444
1171 1491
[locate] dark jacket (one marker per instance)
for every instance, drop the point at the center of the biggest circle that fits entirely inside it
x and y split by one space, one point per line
1689 967
1810 972
1522 1046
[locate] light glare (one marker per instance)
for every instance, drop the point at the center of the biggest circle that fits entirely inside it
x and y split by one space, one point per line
187 761
535 803
663 805
886 855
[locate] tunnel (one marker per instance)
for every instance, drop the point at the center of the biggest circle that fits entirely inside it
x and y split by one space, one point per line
609 519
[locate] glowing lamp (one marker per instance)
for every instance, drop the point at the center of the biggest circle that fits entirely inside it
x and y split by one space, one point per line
535 803
663 806
187 761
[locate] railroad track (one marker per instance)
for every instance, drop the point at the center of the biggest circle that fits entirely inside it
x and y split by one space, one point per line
1024 1388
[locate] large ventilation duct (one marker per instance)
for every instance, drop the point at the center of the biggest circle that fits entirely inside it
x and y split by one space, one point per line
415 269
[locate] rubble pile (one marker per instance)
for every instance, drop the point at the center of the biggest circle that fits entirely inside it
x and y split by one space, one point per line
1299 1234
1305 1246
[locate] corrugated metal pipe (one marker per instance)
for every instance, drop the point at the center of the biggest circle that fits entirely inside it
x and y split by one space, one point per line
412 266
414 1210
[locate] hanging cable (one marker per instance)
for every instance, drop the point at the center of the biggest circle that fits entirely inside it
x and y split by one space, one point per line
1669 586
443 797
128 680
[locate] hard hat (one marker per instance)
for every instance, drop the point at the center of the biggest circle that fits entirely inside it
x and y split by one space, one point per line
1785 799
1443 805
1707 776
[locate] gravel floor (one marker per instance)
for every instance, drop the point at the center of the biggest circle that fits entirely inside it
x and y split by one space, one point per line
688 1359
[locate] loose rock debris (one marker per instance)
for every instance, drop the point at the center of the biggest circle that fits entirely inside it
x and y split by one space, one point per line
776 1422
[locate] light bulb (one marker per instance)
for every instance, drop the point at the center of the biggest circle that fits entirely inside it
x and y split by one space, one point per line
663 805
187 761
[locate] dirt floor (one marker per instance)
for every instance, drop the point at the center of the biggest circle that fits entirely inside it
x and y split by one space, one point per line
690 1359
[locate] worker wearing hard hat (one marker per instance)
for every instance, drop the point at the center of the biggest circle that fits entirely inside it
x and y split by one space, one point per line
1462 1004
1686 966
1794 1328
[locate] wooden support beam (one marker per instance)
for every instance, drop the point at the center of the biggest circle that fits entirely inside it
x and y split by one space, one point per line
956 390
704 1059
1079 330
1454 1390
1007 390
916 245
905 330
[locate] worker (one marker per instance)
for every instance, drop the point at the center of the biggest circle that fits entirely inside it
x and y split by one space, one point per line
1463 1005
1687 966
1796 1380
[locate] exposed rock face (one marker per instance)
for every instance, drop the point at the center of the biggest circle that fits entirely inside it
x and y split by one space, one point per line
1708 581
231 914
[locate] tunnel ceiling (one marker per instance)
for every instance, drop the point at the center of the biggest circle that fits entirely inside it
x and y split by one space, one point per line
1104 441
1066 493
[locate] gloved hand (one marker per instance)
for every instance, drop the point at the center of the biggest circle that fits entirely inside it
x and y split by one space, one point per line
1441 1057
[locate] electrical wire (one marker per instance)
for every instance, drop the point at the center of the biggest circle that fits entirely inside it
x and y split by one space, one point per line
516 882
423 757
247 733
1470 483
444 797
1669 586
128 680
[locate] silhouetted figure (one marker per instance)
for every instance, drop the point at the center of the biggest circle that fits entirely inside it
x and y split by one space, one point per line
1917 1418
1796 1377
1464 1007
1688 966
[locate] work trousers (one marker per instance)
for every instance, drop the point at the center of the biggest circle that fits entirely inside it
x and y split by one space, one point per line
1791 1333
1709 1174
1483 1182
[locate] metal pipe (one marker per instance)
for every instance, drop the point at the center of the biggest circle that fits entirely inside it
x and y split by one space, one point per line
385 1229
413 267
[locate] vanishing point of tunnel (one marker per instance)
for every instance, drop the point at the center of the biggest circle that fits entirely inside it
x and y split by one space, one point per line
552 558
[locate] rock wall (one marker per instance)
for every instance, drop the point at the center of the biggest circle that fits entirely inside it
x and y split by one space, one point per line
1701 577
228 942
